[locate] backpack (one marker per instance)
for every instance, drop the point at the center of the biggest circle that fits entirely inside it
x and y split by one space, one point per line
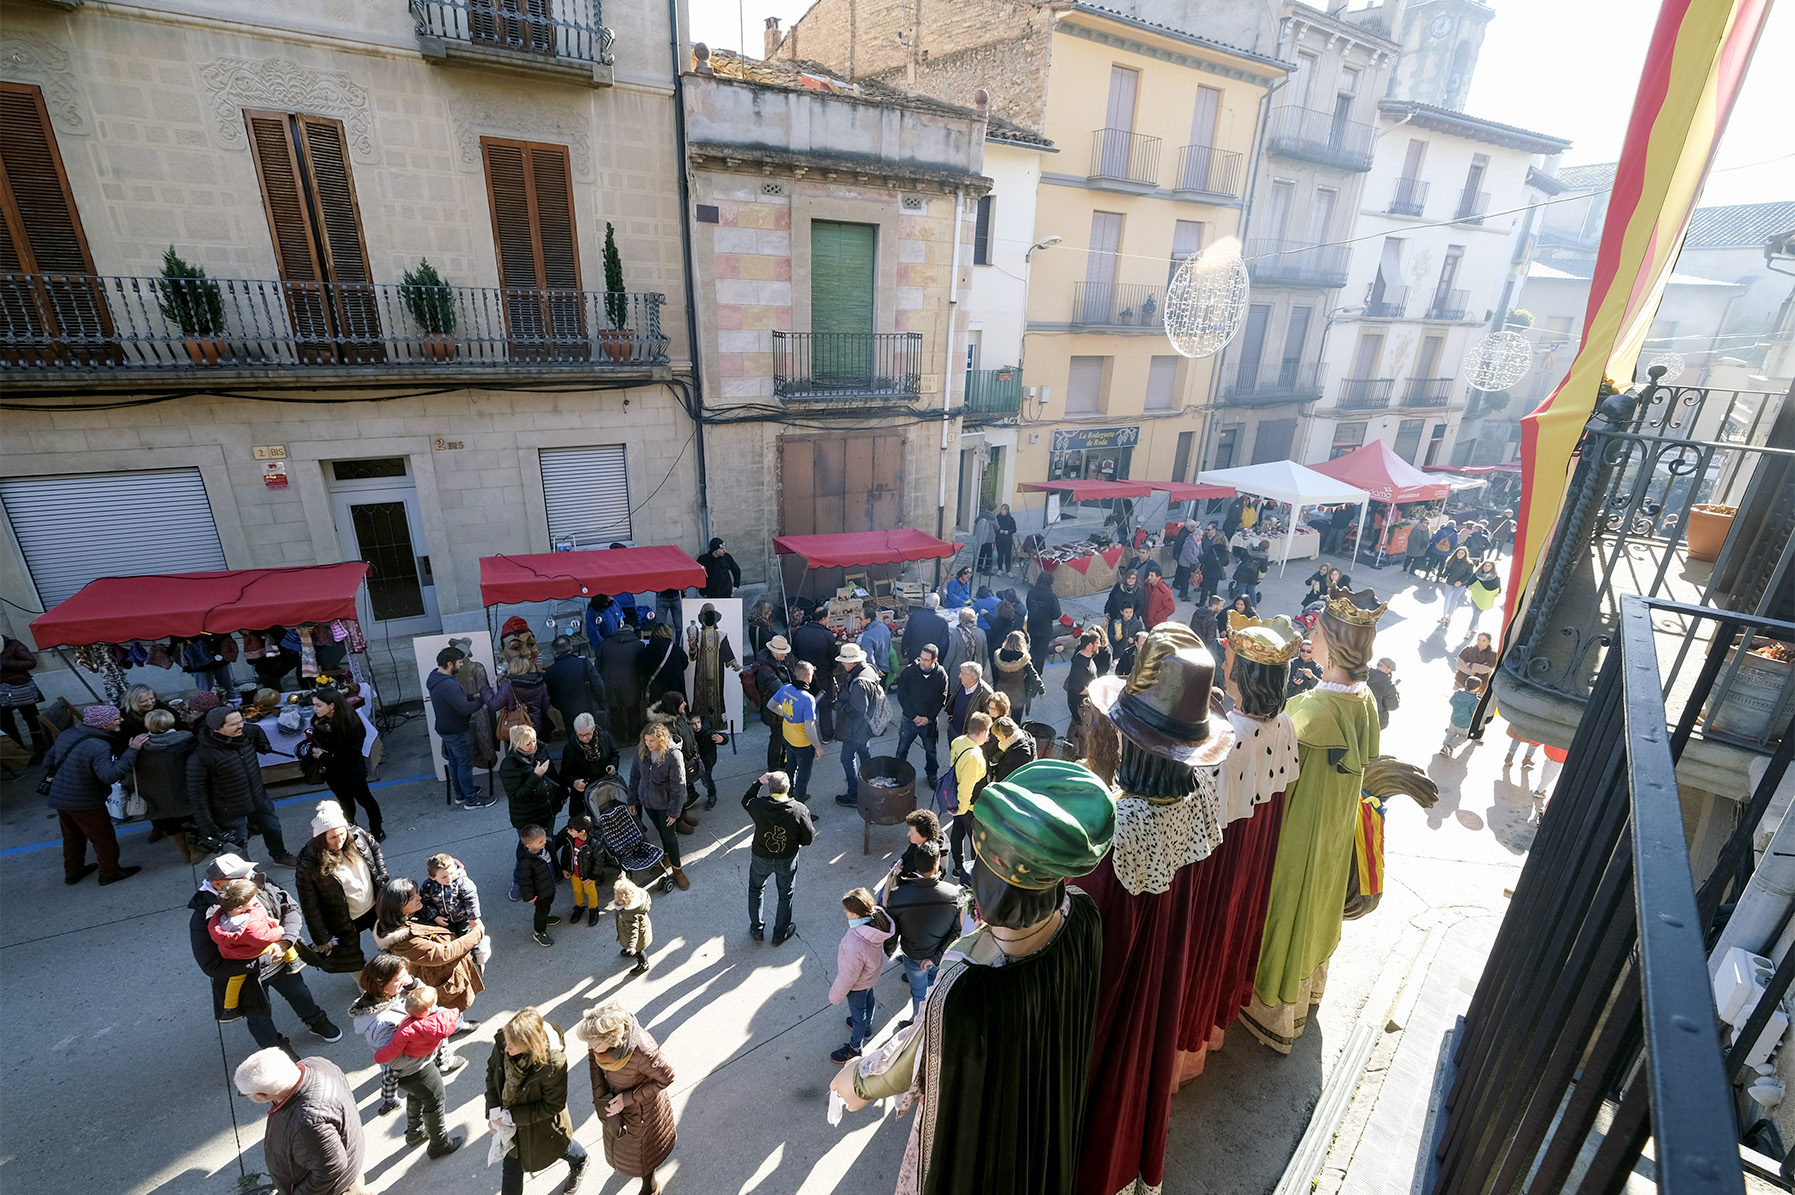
751 686
947 789
878 711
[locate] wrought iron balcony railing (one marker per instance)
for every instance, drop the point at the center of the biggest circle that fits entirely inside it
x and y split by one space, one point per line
1125 156
1449 305
1117 305
1426 392
847 365
1410 197
1297 263
1323 138
68 323
1387 302
1682 494
993 394
1208 170
1471 206
1593 1027
1274 382
1365 394
562 36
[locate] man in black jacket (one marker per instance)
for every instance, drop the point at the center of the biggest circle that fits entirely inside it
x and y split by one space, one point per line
240 986
922 694
782 827
923 627
926 909
771 670
859 694
618 654
721 575
224 784
1305 673
574 686
1382 682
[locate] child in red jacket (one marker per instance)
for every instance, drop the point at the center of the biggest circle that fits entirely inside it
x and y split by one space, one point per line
242 927
424 1028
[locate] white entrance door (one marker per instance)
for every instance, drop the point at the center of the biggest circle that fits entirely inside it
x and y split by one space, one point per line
376 510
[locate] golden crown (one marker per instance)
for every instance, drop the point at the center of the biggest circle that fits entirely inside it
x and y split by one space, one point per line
1264 640
1346 605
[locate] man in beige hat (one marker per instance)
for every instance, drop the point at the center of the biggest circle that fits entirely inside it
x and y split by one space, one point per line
770 671
859 696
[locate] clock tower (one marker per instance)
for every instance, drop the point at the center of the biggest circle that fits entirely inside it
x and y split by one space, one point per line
1440 43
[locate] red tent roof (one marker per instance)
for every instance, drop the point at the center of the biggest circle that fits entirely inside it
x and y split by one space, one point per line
1087 491
859 548
1184 491
1384 475
119 609
546 576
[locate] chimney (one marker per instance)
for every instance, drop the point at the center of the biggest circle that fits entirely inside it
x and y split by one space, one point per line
773 37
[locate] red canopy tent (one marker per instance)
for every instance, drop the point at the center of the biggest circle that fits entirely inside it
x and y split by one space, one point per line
853 549
1378 471
120 609
548 576
1185 491
1090 491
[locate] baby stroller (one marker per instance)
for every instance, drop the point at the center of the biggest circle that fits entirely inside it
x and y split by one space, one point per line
1310 615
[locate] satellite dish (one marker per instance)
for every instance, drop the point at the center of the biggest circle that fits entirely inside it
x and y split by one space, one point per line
1207 300
1498 361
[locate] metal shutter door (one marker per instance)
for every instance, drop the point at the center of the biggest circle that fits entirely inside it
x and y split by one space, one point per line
74 529
586 492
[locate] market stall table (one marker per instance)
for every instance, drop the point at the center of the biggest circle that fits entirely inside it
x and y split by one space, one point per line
1079 575
1289 482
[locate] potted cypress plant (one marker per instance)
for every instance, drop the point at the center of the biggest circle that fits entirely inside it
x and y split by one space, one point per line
431 305
195 304
616 340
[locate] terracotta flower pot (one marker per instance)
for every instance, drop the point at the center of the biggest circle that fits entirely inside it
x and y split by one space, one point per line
617 344
439 346
1707 529
204 350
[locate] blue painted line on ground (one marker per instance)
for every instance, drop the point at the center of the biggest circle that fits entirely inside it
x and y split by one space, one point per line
142 827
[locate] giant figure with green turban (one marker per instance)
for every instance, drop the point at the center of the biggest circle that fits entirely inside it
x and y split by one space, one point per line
995 1071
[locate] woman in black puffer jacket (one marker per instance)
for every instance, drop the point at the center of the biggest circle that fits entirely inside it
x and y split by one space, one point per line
531 783
224 784
337 737
339 875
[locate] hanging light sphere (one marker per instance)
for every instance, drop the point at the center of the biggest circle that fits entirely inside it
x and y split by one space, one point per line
1207 301
1498 361
1673 367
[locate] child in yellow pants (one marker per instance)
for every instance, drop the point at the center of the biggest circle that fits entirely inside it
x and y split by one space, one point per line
579 859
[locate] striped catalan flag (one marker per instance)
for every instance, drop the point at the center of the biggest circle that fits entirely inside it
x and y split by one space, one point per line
1697 60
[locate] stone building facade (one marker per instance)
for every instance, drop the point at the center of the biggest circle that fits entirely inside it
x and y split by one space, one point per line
307 165
830 219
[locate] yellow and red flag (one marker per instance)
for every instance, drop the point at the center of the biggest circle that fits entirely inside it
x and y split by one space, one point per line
1693 69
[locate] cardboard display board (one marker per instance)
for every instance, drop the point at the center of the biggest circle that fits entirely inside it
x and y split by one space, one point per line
730 622
478 647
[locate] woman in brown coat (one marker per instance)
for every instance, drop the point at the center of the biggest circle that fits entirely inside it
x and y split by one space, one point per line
629 1092
435 955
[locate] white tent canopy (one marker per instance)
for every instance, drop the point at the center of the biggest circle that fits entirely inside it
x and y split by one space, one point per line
1287 481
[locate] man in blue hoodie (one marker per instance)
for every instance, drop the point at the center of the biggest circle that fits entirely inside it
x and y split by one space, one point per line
451 707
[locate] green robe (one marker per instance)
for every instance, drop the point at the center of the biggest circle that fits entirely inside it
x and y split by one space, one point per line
1336 734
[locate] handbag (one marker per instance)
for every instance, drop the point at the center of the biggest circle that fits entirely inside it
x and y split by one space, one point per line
115 802
43 786
512 715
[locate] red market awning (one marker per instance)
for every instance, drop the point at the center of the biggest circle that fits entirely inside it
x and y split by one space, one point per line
549 576
120 609
856 549
1378 471
1090 491
1474 470
1184 491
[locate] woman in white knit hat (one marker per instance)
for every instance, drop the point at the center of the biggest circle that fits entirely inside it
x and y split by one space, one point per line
339 873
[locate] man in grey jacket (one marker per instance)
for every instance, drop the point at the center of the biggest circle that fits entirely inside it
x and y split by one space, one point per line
313 1143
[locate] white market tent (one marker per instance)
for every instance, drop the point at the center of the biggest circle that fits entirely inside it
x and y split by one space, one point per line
1287 481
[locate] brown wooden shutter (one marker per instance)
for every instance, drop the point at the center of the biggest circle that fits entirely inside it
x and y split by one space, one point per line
58 317
345 251
308 194
531 191
523 25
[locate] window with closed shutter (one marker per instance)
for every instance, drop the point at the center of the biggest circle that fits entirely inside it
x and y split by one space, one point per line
1084 385
522 25
981 233
842 280
586 494
308 194
52 305
1162 383
72 530
531 191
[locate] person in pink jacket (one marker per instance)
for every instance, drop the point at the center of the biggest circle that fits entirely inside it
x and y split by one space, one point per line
858 962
